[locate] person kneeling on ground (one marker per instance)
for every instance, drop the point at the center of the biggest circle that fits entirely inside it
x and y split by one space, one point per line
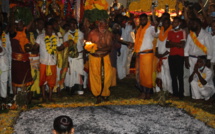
201 80
63 125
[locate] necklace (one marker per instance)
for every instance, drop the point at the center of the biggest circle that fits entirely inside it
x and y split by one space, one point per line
75 37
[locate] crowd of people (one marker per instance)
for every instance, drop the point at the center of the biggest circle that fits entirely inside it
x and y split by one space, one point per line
171 54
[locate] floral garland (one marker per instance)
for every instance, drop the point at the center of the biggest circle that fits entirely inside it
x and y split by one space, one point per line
163 34
73 40
51 44
7 119
75 37
99 4
3 39
145 5
197 42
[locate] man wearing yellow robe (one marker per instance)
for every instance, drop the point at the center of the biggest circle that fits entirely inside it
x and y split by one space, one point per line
99 61
144 50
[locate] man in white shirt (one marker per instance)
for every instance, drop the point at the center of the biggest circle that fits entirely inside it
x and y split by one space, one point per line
76 63
5 63
202 46
144 49
162 54
201 80
49 45
124 59
199 43
60 79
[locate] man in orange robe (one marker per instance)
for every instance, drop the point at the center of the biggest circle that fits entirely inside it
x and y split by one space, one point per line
99 62
144 50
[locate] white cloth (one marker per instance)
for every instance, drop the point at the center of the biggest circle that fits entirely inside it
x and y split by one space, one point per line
124 60
3 84
192 62
5 56
149 36
186 82
5 67
129 58
161 45
130 52
206 39
164 75
45 57
85 82
76 65
200 91
60 40
213 58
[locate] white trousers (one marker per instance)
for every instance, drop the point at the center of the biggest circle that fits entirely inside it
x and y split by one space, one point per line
164 75
186 82
192 62
73 75
130 54
85 80
122 62
201 93
3 83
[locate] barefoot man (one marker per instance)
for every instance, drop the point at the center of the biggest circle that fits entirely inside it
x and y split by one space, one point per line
99 62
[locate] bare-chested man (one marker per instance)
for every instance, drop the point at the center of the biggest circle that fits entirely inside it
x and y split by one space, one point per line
99 62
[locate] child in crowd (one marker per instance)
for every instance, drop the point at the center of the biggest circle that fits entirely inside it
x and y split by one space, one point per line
63 125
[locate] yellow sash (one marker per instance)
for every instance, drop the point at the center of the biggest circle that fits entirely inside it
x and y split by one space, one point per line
163 35
197 42
48 70
139 37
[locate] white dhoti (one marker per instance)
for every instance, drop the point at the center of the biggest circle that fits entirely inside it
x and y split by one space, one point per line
192 62
3 83
10 82
130 54
186 82
122 62
85 79
164 75
204 92
75 72
200 91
